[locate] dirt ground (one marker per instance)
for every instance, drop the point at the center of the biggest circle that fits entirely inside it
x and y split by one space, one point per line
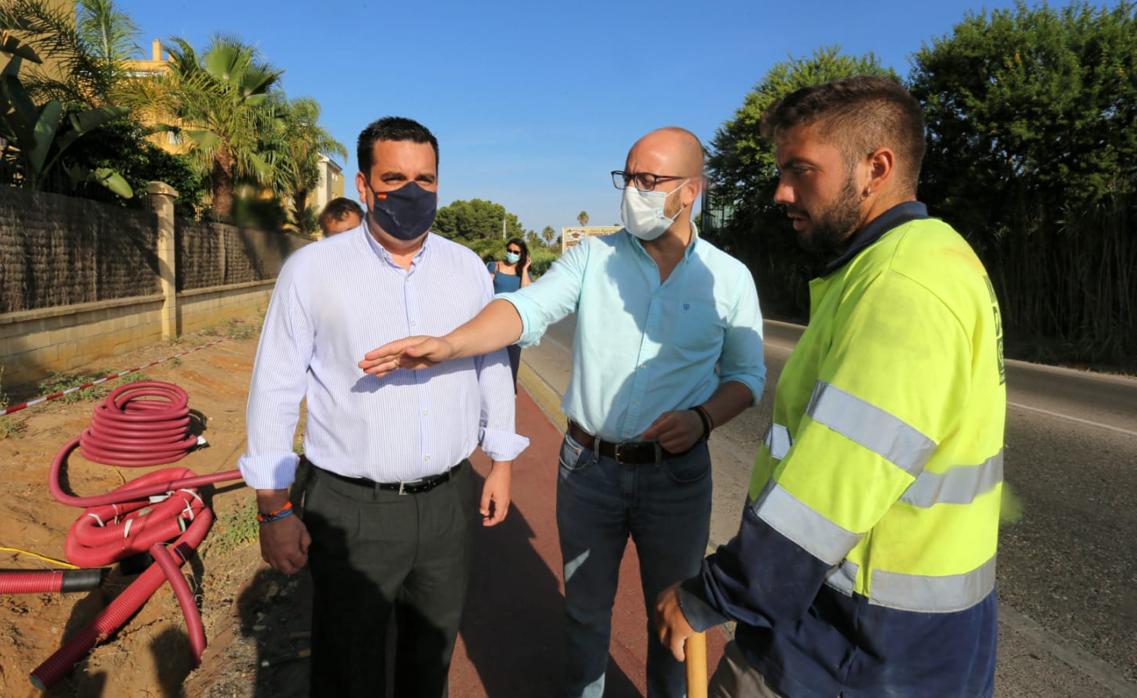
255 620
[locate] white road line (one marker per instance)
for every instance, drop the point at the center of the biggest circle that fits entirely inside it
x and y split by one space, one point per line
1120 430
1107 675
1079 420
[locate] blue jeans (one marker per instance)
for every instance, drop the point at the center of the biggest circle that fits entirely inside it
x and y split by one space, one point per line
666 508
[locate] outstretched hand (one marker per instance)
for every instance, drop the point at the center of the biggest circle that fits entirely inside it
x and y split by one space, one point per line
411 352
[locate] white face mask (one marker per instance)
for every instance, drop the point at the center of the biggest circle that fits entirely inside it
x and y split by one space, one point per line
642 212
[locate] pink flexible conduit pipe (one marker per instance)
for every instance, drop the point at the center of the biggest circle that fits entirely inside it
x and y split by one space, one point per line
138 424
49 581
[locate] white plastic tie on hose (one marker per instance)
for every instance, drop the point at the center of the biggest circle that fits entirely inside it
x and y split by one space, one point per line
192 493
201 441
126 528
187 513
181 525
95 516
155 498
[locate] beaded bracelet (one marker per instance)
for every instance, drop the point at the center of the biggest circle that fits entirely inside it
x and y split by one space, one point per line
281 513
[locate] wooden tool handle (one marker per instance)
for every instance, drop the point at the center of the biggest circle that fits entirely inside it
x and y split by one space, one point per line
696 651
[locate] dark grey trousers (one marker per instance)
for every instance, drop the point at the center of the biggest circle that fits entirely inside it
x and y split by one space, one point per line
375 553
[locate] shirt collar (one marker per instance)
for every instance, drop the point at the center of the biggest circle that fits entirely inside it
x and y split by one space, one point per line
384 255
892 218
690 250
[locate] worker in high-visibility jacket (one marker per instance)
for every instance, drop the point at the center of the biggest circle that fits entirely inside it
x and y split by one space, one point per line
865 561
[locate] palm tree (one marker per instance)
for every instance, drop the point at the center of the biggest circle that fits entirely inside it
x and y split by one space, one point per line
220 104
295 146
111 35
36 135
582 218
548 234
86 49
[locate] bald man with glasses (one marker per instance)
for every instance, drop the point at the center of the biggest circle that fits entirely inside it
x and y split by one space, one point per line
668 346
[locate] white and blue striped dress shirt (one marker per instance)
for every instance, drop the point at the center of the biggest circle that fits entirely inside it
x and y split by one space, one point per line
336 300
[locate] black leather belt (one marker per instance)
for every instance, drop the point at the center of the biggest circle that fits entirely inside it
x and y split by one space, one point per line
624 452
419 486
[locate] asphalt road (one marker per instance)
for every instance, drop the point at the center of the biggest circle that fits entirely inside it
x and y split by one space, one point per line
1067 568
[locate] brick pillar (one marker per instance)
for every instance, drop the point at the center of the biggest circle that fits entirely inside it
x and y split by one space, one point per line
162 197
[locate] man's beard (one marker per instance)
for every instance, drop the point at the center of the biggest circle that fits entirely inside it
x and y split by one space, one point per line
832 228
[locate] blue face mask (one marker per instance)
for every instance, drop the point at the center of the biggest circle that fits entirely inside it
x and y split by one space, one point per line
405 213
512 257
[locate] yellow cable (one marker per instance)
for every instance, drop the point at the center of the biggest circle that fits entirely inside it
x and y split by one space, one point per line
45 558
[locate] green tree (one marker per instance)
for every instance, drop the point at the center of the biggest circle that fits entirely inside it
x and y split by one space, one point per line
548 235
1032 134
582 218
122 145
112 35
743 175
38 138
87 48
295 145
476 219
542 258
219 103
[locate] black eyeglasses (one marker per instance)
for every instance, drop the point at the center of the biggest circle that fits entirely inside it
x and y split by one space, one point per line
514 250
644 181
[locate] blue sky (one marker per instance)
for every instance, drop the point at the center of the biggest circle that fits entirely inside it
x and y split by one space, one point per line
535 102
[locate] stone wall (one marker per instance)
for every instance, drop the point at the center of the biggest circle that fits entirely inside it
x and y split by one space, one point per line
80 281
56 250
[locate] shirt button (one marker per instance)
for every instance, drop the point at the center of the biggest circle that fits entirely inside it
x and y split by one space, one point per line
427 459
425 412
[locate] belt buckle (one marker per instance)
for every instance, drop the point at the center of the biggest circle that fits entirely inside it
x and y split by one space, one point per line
617 452
413 483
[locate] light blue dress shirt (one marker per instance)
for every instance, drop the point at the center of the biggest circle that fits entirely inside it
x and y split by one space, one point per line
336 300
643 348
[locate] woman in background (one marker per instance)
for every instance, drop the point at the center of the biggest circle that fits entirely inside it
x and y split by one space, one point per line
509 275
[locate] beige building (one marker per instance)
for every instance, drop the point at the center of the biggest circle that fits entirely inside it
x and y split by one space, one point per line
51 67
331 185
157 64
145 69
570 237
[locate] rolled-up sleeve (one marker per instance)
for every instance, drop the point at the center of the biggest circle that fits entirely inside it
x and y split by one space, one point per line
498 437
552 297
278 384
742 353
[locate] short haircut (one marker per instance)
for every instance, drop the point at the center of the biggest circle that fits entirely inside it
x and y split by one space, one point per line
391 128
339 209
859 115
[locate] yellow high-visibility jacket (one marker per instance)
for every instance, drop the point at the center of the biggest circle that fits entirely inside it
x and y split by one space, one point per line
865 563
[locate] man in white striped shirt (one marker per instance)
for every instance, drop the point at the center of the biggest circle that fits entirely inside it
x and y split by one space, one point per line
385 512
